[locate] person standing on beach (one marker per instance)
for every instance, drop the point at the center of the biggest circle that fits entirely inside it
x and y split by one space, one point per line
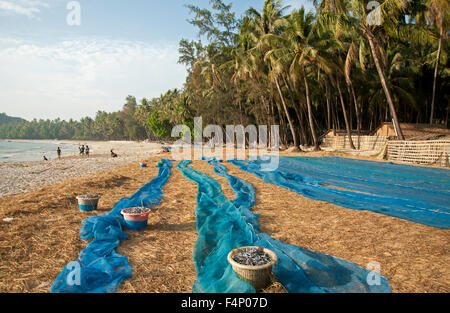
82 150
87 150
58 151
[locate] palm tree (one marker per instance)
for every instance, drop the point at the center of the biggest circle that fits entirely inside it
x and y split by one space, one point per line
438 14
328 11
388 12
275 73
303 46
344 111
298 68
351 90
260 24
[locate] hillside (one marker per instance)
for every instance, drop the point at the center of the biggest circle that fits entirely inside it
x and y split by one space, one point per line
4 119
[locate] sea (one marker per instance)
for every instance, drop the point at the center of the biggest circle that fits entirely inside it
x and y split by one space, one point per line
12 151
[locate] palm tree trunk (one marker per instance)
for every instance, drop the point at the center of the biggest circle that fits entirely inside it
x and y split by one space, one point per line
446 117
350 111
347 125
287 114
385 86
336 116
310 117
435 78
303 138
297 112
351 92
282 126
240 105
303 113
268 118
333 118
272 120
327 94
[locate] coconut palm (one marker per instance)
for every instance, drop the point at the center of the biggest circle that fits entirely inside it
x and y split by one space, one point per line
371 29
437 14
304 47
260 24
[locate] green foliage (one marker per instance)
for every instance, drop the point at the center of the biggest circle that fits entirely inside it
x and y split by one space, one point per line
234 72
120 125
161 128
4 119
190 52
233 81
219 26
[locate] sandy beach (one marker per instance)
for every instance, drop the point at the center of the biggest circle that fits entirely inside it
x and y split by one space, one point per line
42 232
229 147
19 177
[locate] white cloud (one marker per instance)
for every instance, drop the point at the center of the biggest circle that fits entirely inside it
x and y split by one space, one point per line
29 8
75 78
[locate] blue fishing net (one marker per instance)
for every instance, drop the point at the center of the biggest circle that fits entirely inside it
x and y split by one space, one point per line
223 225
417 194
99 269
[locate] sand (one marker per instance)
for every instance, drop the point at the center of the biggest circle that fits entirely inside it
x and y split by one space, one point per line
43 235
19 177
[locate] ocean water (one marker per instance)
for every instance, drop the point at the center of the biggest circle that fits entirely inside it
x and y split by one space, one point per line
34 151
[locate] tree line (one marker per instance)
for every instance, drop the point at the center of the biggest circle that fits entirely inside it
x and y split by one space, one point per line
340 66
121 125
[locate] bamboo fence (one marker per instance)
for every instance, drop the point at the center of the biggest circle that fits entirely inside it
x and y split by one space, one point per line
431 152
365 142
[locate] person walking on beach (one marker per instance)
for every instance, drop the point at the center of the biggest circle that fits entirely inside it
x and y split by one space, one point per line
58 151
87 150
82 150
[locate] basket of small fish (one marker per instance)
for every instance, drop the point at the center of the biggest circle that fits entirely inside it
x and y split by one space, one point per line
88 203
136 218
253 264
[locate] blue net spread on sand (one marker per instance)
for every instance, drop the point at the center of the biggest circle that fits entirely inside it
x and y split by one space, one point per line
99 269
414 193
223 225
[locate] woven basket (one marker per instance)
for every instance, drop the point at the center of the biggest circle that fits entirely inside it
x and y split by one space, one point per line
88 201
258 276
88 204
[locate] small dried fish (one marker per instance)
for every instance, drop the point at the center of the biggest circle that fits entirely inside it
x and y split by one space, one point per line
137 210
89 196
252 256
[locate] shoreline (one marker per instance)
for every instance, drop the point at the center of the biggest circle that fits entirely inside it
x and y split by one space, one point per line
96 146
28 176
19 177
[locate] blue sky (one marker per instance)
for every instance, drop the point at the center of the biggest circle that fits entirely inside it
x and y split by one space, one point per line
50 69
